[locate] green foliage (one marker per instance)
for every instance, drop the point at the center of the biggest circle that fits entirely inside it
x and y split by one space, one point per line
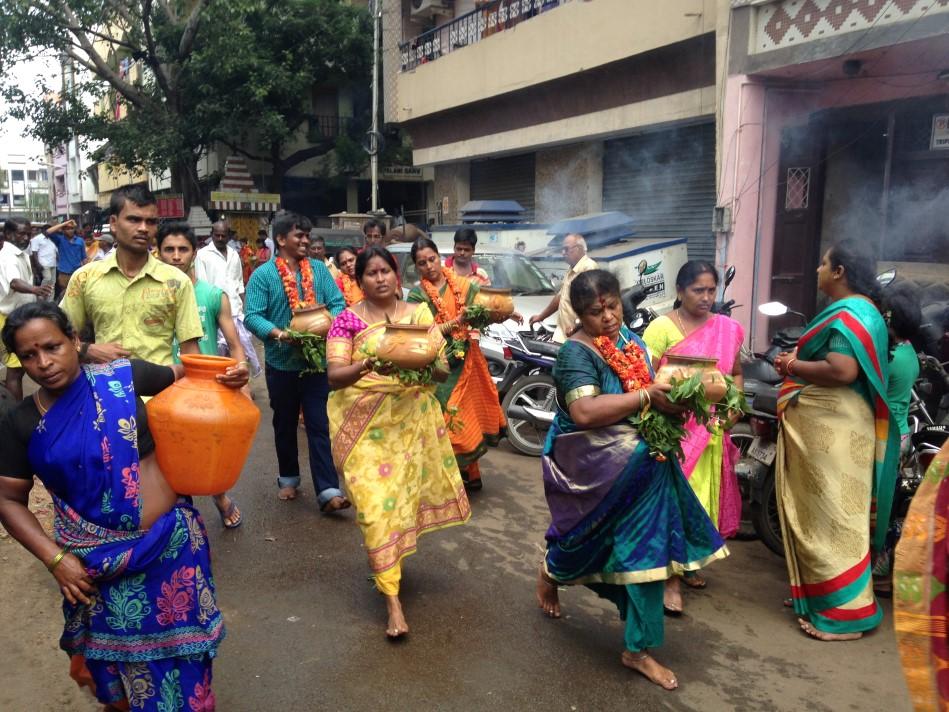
313 350
237 71
411 376
664 433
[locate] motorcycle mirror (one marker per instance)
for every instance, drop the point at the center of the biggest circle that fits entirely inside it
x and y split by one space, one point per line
729 275
884 279
636 323
773 309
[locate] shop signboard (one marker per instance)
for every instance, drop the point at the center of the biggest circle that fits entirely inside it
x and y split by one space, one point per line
940 139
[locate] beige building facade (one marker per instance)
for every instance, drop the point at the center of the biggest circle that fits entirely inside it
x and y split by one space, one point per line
567 106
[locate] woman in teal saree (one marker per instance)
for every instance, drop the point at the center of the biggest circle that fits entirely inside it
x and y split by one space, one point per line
622 521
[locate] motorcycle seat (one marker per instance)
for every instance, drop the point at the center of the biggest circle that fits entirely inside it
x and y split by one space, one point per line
760 370
767 401
544 348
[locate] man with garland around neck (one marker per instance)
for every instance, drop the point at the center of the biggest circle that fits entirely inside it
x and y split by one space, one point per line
274 290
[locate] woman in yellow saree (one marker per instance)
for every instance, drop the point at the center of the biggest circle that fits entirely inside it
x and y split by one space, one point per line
837 446
390 442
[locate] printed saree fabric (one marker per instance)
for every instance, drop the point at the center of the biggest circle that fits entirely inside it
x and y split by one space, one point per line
155 591
469 396
390 444
617 515
709 456
921 578
832 446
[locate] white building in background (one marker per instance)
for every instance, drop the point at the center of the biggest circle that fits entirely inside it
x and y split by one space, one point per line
24 185
74 191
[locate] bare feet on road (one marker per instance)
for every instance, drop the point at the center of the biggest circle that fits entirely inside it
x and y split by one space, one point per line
647 666
547 597
287 493
827 637
397 627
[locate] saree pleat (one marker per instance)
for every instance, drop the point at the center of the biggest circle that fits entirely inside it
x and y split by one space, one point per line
391 446
921 579
824 478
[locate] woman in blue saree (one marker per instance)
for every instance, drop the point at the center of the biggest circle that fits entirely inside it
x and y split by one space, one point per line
622 521
130 557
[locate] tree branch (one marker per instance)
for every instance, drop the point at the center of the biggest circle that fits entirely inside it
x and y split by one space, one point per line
305 154
123 12
191 29
238 149
155 63
169 11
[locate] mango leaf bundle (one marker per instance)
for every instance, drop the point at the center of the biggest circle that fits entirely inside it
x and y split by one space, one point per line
313 350
664 433
478 316
411 376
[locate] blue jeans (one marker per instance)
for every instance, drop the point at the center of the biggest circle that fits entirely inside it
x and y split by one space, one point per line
288 393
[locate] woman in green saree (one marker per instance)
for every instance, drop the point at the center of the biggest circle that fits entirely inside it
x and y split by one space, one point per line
622 521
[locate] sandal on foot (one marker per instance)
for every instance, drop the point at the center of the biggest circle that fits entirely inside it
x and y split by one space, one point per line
230 513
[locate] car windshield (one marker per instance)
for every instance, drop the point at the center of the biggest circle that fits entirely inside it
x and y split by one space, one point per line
506 271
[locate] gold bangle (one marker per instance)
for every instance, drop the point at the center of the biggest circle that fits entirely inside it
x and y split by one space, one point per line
787 367
57 559
648 402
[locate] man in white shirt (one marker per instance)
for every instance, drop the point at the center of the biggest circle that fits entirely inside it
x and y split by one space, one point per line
219 264
45 256
575 255
16 288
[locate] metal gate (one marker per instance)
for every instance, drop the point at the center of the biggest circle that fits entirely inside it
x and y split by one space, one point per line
665 180
508 178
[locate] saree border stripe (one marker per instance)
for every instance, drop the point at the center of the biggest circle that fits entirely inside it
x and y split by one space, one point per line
659 573
359 416
850 614
811 590
428 519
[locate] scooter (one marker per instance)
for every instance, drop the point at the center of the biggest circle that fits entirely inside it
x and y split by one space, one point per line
529 394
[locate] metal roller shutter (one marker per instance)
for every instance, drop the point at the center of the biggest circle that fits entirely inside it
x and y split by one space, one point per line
666 181
508 178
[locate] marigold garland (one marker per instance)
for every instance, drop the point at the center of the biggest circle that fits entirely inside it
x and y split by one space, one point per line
629 364
459 333
351 290
290 283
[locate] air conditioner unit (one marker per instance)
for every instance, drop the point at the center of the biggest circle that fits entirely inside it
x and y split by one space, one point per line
430 7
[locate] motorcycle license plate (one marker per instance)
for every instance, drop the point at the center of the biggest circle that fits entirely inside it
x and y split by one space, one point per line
762 450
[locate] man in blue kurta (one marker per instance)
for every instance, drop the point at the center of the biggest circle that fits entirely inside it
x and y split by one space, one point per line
272 289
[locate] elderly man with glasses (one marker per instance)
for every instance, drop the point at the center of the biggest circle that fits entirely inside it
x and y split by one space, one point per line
575 255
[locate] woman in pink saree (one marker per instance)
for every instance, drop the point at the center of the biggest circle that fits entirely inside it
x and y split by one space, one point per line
691 329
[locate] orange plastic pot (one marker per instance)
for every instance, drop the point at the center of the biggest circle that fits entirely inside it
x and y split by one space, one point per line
203 430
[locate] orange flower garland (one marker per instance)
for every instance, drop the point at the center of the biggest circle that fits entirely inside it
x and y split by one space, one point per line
290 283
459 333
352 293
629 364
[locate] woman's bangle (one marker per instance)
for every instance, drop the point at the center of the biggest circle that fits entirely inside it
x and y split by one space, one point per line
244 363
644 394
787 367
51 566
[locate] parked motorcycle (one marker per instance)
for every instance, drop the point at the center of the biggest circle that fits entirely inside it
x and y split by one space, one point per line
529 394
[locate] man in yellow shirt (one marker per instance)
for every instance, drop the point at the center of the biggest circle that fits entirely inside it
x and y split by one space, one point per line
135 304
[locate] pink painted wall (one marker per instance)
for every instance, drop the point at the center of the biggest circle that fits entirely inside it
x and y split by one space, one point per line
753 118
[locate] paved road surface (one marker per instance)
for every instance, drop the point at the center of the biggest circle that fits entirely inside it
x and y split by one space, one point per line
305 626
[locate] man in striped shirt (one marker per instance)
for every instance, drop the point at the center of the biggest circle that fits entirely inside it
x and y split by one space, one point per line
267 314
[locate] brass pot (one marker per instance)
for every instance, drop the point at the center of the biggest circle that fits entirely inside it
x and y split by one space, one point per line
682 367
498 302
315 319
410 346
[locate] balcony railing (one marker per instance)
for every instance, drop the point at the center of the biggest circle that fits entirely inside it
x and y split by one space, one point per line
324 127
488 19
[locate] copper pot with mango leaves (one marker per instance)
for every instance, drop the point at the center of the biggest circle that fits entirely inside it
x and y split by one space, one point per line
498 302
682 367
409 346
315 319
